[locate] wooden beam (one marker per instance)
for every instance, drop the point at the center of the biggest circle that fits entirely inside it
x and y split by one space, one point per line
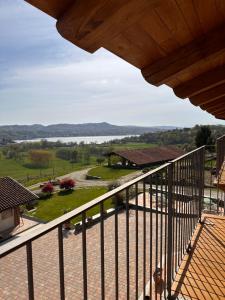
201 83
89 24
213 104
52 7
216 110
200 49
219 116
209 96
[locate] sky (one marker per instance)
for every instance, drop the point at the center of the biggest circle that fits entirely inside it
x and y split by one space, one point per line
45 79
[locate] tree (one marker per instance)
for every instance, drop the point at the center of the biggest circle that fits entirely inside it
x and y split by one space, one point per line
64 153
48 188
100 160
67 184
203 136
40 158
74 156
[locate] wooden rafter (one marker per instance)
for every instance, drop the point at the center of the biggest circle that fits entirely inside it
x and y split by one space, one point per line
214 104
218 110
201 83
52 7
90 23
170 66
210 95
179 43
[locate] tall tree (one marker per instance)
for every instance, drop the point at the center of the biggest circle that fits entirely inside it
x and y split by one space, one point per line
40 158
203 136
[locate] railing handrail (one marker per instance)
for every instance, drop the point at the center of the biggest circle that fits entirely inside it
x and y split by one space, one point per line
36 233
186 154
221 137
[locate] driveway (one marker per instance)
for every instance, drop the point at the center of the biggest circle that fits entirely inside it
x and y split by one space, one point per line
81 181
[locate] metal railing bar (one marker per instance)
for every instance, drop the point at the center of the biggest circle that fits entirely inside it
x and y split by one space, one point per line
102 250
136 242
61 263
156 230
166 235
170 230
176 216
173 218
84 252
161 225
151 239
116 257
144 240
179 208
127 245
30 270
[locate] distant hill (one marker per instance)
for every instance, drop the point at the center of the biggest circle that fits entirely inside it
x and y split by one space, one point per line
17 132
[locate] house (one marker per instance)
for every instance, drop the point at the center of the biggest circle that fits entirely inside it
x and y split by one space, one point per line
145 157
12 195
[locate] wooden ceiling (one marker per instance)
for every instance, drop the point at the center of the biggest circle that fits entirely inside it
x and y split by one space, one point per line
180 43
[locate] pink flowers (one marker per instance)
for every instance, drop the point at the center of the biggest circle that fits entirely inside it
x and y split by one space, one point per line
48 188
67 184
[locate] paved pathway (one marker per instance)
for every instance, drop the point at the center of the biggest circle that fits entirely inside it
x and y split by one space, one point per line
81 181
13 272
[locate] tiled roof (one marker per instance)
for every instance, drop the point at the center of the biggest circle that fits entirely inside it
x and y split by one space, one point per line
149 155
12 193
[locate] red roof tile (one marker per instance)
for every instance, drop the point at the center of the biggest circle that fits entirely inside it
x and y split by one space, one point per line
149 155
12 194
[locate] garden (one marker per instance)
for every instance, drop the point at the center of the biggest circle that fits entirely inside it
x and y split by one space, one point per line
54 204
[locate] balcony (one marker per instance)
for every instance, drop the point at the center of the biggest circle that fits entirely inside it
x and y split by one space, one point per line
162 241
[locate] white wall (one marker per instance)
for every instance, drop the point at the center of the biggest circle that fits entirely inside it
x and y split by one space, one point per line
6 223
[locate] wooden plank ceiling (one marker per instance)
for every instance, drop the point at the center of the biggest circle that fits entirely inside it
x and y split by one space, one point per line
180 43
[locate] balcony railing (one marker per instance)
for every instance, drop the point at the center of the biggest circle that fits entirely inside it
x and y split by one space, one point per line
132 253
213 201
220 145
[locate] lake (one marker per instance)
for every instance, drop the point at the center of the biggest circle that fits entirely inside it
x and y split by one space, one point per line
78 139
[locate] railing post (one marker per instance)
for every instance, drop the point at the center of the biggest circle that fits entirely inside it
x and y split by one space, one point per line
201 181
170 230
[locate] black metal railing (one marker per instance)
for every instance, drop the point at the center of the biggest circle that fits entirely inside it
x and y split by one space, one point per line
133 252
220 148
214 197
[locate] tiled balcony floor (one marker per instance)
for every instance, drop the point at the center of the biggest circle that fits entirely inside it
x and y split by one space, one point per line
202 272
13 272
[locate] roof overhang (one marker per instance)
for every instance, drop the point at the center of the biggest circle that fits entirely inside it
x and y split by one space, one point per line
177 43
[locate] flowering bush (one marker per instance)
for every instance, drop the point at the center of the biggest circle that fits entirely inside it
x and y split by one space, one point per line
48 188
67 184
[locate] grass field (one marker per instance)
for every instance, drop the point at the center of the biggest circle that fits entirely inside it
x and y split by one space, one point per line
21 171
55 206
29 176
107 173
133 146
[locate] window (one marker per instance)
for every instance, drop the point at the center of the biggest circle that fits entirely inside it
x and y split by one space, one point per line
7 213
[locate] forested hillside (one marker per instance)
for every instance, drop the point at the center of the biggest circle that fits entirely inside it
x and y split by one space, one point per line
184 136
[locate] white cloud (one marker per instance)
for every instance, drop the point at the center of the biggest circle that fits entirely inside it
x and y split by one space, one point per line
54 81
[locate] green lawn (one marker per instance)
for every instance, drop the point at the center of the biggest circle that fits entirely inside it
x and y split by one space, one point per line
107 173
132 146
55 206
210 163
28 176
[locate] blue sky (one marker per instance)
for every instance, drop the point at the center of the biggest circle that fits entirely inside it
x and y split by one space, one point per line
45 79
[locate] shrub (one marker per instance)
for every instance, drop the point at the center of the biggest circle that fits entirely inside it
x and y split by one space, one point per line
48 188
67 184
40 158
119 198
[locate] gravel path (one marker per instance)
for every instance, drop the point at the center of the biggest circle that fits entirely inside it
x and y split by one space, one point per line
81 181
